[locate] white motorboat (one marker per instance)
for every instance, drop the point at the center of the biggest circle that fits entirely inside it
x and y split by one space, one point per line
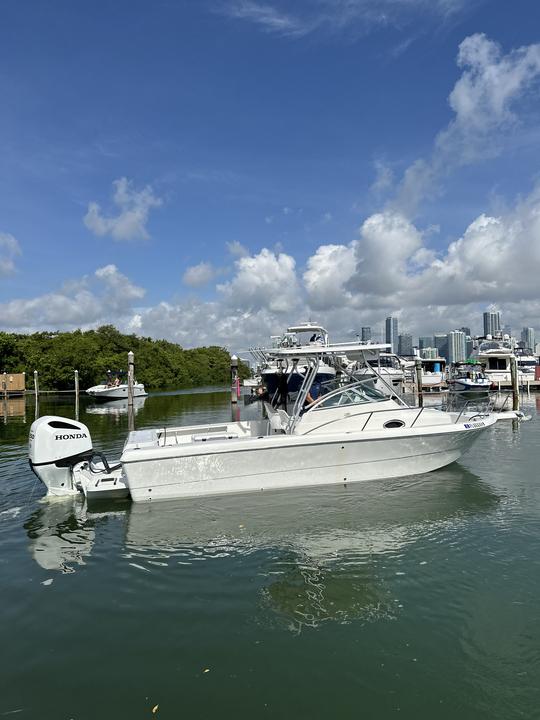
118 391
274 371
469 377
351 433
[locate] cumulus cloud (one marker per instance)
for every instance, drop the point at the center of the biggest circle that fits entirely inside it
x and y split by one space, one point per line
107 296
9 249
133 211
199 275
484 100
266 280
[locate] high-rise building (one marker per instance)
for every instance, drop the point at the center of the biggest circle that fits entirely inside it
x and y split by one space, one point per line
366 334
440 341
405 347
456 346
425 341
392 333
492 322
466 330
527 335
469 346
429 353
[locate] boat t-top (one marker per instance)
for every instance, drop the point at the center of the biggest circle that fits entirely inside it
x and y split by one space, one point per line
350 432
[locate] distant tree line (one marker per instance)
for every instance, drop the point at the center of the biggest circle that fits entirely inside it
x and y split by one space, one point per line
159 364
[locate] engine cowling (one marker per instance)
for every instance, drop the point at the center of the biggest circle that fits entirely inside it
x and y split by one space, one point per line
56 444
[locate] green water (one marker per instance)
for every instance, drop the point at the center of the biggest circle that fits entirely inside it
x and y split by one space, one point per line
410 598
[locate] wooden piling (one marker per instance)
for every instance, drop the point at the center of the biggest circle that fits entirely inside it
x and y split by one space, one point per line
515 383
36 393
76 394
418 369
130 379
234 379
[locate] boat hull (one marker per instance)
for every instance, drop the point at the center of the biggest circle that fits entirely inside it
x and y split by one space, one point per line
292 462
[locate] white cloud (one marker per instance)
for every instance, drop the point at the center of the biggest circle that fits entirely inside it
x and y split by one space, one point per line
199 275
339 16
108 296
9 250
388 268
384 177
131 221
327 274
236 249
484 99
267 280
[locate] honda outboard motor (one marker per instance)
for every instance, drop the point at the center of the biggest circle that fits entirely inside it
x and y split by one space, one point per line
56 445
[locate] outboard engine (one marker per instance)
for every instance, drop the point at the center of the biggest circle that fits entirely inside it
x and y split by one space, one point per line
56 445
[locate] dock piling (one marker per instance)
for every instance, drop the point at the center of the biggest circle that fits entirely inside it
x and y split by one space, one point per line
515 383
36 393
418 369
76 394
235 387
130 379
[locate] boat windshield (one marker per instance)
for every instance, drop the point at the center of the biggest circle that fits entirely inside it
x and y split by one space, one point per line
356 394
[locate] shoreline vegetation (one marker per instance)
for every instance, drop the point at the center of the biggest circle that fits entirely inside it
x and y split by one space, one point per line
159 364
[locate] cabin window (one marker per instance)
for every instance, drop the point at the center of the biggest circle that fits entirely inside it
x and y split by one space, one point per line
394 424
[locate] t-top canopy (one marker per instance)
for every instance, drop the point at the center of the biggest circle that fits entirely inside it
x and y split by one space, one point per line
353 350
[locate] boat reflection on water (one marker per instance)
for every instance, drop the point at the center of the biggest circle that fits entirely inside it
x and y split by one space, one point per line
116 407
61 534
318 549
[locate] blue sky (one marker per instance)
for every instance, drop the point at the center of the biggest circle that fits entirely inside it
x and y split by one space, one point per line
211 171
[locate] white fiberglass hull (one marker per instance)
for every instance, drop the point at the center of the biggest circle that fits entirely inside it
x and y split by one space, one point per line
289 461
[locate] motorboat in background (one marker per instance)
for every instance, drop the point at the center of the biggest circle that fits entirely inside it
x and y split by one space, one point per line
285 376
350 433
469 377
115 388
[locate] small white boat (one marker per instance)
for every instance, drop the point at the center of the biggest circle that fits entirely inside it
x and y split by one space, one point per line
351 433
469 377
107 391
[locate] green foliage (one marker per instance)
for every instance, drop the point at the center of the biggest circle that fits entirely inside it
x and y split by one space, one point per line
159 364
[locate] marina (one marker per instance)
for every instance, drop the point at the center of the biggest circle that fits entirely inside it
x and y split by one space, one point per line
386 582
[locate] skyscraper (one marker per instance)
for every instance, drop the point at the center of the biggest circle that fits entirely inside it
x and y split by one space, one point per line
466 330
366 334
405 347
392 333
492 322
425 341
456 346
527 335
440 341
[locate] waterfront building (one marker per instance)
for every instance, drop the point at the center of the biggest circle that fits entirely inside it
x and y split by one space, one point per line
366 334
492 323
405 346
429 353
440 341
469 346
466 330
456 346
425 341
392 332
507 330
527 336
